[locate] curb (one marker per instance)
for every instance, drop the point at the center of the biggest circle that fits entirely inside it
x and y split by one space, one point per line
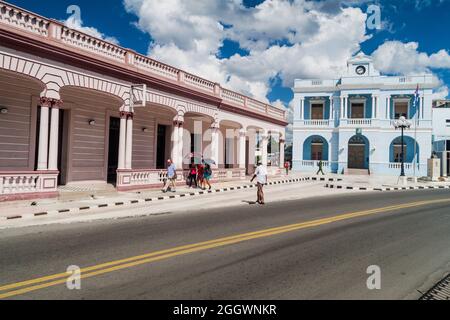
384 189
161 198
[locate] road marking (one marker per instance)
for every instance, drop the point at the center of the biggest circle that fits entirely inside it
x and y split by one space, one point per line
60 278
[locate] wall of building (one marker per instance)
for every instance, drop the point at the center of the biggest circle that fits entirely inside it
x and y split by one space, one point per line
18 126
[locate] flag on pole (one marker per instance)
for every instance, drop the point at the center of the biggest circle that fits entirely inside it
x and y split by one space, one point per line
417 109
416 98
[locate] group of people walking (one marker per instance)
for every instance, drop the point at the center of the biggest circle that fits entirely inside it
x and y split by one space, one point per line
199 176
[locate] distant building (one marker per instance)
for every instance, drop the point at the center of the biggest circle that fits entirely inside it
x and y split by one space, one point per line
348 123
441 133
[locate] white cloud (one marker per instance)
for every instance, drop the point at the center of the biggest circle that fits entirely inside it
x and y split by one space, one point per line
77 24
395 57
290 39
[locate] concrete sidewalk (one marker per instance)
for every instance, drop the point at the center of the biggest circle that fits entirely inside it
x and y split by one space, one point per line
384 183
21 209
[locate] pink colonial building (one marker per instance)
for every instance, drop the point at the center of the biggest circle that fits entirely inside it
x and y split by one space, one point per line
77 110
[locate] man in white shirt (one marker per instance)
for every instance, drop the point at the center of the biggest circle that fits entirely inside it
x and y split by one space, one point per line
261 179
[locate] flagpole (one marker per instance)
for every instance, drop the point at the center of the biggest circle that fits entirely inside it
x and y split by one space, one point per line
417 106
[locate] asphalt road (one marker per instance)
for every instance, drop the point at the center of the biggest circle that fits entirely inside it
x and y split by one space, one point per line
323 259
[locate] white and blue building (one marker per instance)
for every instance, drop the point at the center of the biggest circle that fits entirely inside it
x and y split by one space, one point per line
348 123
441 134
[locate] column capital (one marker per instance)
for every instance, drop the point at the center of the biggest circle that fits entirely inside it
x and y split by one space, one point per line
214 126
126 115
50 102
242 132
178 123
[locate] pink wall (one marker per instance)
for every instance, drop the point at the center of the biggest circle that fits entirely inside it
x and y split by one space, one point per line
17 127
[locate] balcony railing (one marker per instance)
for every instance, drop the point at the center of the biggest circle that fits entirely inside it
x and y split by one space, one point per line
398 165
314 163
316 123
20 19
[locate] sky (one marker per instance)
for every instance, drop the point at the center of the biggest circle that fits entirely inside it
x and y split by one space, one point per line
258 47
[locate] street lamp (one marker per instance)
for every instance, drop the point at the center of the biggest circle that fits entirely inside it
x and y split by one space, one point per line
402 124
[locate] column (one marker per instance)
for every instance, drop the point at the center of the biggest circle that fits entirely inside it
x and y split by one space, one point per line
129 144
242 145
331 108
54 135
175 145
265 142
389 112
302 108
43 135
282 146
122 140
342 107
346 107
179 160
215 143
374 107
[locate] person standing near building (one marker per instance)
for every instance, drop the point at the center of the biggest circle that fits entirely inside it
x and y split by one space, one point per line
171 177
320 168
261 179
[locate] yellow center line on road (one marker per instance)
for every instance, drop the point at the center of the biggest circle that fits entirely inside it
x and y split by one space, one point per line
60 278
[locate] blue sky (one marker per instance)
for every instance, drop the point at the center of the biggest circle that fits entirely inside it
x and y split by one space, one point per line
247 46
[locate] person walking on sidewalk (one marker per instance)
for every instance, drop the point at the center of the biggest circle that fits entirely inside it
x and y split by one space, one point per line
261 179
320 168
171 177
208 175
287 165
192 179
200 175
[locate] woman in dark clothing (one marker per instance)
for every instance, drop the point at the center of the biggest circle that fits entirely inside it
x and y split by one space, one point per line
192 176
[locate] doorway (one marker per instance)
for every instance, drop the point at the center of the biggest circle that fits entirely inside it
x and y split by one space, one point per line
63 137
113 149
357 153
161 147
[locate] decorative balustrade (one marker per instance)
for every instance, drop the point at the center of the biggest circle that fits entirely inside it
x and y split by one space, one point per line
199 83
14 183
153 66
83 41
273 111
316 123
398 165
233 97
358 122
314 163
414 123
18 18
256 105
22 19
